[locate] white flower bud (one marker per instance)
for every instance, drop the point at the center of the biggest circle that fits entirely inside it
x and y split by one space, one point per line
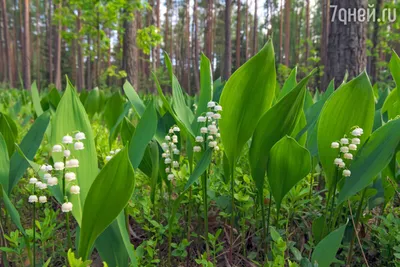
348 156
357 132
175 139
167 161
212 127
211 104
46 176
353 147
209 114
80 136
201 119
117 150
176 151
67 153
168 138
176 129
216 116
52 181
167 170
42 199
175 164
337 161
356 141
32 199
203 130
66 207
164 155
346 173
210 137
171 131
112 152
344 141
43 167
173 146
59 166
170 176
49 168
342 165
216 148
41 185
108 158
33 180
199 139
67 139
344 149
57 148
335 145
75 189
70 176
79 146
212 143
73 163
164 146
218 135
217 108
196 148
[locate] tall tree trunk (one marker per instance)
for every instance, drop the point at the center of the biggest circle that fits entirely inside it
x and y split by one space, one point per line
89 64
196 46
324 41
208 29
281 32
26 62
7 42
246 30
38 54
187 70
375 42
98 57
80 70
74 75
157 48
130 52
3 70
50 42
238 26
255 29
347 44
307 31
287 32
58 54
168 28
228 44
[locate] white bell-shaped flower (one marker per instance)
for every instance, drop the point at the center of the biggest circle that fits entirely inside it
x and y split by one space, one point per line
176 129
203 130
167 138
67 153
46 176
167 170
175 164
342 165
335 145
33 180
108 158
216 116
196 148
175 139
344 149
199 139
112 152
344 141
43 167
217 108
70 176
33 199
176 151
66 207
216 148
171 131
73 163
210 137
356 141
75 189
117 150
59 166
348 156
80 136
337 161
170 176
79 146
67 139
42 199
212 143
201 119
209 114
211 104
353 147
52 181
346 173
49 168
167 161
164 155
41 186
357 131
57 148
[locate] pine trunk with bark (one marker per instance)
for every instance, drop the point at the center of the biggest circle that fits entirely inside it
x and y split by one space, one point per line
6 38
208 30
80 70
255 31
375 41
281 32
246 30
287 32
228 44
324 41
26 60
130 52
307 32
187 69
196 46
347 44
58 54
238 26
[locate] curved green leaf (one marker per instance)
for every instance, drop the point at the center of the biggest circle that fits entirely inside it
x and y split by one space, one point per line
134 98
247 95
92 102
29 146
4 163
394 66
9 131
325 252
391 106
107 197
36 99
350 105
288 164
200 168
289 84
12 211
373 157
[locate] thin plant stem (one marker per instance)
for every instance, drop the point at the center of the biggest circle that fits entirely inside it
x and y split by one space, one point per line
34 229
69 240
189 218
204 182
268 218
264 235
331 218
358 215
232 213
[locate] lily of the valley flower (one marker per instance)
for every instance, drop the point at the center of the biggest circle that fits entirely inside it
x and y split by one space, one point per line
66 207
52 181
196 148
33 199
80 136
57 148
70 176
346 173
42 199
33 180
67 139
59 166
67 153
335 145
79 146
72 163
75 189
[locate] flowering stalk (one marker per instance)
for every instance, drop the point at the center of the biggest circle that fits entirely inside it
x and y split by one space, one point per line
34 227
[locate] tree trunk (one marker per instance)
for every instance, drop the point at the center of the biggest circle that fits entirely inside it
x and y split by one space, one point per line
38 54
98 57
246 30
281 32
287 32
58 54
196 47
80 70
255 30
89 64
374 52
324 41
238 35
157 48
228 45
208 29
26 62
307 31
7 42
50 42
347 44
130 52
187 70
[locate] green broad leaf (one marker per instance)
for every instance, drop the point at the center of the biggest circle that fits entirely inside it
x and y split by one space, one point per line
288 164
4 163
278 122
394 66
8 129
107 197
155 166
325 252
114 107
117 125
12 211
372 158
36 99
247 95
289 84
29 146
391 106
183 112
134 98
339 115
69 118
144 132
301 124
319 229
92 103
200 168
127 130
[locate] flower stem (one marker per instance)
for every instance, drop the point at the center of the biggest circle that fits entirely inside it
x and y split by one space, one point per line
268 218
69 240
331 218
232 214
358 215
204 182
34 233
264 235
